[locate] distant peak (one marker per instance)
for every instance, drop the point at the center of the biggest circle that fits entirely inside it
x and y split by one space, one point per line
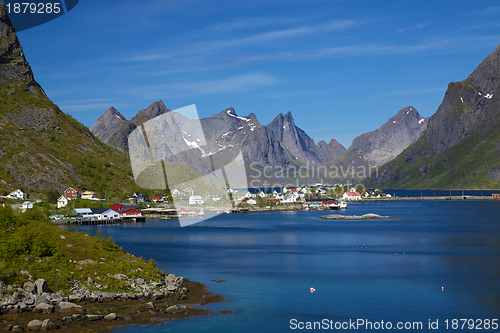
114 112
253 117
408 110
157 105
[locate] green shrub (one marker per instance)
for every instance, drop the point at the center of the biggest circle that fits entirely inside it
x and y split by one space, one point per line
7 218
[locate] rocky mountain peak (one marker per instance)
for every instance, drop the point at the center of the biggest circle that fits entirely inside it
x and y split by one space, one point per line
111 111
486 77
389 140
108 124
14 68
153 110
468 106
460 146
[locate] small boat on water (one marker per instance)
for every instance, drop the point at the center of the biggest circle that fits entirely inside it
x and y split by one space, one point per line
342 205
334 206
201 213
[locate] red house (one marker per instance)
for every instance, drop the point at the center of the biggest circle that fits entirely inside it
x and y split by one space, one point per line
182 210
237 201
496 196
130 212
161 197
72 193
127 209
122 206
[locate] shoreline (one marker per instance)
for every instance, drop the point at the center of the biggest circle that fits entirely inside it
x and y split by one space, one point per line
369 216
105 313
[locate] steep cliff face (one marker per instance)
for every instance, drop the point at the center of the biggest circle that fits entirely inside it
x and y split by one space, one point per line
331 151
15 71
390 139
113 128
42 147
469 106
460 146
109 123
298 143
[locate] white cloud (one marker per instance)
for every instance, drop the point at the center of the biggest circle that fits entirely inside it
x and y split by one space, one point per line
239 83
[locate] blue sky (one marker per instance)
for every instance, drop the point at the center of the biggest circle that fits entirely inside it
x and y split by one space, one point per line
341 67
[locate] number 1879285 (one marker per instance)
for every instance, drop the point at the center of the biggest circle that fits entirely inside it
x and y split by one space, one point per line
33 8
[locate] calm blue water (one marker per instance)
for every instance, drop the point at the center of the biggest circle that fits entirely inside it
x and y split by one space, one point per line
390 270
439 193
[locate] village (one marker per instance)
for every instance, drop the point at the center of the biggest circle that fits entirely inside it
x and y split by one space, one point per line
186 202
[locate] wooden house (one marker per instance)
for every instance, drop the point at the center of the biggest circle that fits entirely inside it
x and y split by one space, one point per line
71 193
62 201
17 194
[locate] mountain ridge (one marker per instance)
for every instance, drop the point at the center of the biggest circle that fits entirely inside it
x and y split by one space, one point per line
460 147
42 147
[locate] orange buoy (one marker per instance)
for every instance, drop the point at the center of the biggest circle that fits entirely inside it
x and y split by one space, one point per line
312 289
442 288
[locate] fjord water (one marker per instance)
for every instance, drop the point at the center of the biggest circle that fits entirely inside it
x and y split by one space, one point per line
391 270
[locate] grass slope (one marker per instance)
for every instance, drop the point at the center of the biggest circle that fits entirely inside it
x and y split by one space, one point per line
31 243
472 163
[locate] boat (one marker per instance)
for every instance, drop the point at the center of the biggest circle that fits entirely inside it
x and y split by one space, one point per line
201 213
334 206
342 205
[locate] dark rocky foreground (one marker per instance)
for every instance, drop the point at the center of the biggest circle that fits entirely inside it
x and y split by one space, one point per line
33 307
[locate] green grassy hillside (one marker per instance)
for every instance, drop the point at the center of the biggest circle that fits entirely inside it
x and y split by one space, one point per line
32 244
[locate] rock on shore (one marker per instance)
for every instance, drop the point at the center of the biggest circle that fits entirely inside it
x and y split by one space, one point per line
39 299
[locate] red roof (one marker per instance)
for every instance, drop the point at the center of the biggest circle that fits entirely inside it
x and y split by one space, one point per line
353 193
293 190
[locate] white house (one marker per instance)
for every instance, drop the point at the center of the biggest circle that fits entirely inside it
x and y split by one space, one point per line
279 196
27 205
351 196
216 198
176 192
17 194
196 200
262 194
62 201
289 198
251 202
89 195
248 195
138 197
105 213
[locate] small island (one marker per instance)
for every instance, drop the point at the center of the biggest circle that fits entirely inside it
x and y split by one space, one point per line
369 216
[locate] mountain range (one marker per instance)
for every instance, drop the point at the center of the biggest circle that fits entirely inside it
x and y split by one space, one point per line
44 148
279 145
